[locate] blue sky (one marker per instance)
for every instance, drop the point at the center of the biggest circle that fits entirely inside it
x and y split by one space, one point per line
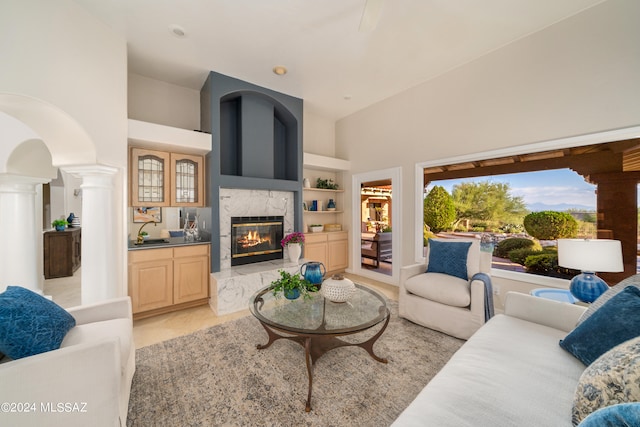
549 187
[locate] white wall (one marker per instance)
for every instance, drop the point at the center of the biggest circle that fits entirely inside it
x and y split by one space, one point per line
576 77
155 101
318 135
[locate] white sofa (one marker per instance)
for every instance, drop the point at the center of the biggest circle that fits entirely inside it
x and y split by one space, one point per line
511 372
84 383
445 303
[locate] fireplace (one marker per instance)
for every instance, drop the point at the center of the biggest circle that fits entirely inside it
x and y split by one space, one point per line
256 239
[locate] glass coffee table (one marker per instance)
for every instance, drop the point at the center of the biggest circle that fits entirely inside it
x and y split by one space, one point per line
317 323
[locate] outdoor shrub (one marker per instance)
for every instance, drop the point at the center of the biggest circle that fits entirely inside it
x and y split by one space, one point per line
543 263
550 225
439 211
477 229
520 255
507 245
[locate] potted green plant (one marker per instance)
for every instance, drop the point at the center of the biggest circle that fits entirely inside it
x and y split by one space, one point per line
59 224
292 286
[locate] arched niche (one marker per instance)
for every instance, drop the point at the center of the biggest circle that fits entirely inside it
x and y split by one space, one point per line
258 137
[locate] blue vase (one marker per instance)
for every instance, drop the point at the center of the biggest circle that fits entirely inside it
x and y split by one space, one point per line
292 293
314 272
70 218
59 227
331 204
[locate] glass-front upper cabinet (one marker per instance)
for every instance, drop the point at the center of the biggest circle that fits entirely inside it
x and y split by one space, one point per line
187 180
150 177
159 178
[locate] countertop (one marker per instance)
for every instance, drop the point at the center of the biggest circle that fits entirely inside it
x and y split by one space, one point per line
171 242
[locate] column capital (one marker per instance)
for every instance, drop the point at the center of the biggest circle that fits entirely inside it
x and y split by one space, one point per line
8 178
80 171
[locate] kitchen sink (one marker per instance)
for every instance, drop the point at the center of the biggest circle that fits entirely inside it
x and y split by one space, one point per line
153 242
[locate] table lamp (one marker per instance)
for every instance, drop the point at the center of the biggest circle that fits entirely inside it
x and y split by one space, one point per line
589 256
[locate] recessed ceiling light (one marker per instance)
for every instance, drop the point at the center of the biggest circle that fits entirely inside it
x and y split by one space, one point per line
177 30
280 70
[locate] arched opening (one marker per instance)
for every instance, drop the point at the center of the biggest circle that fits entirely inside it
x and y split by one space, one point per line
38 138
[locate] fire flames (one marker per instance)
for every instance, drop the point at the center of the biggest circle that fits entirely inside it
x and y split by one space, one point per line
251 239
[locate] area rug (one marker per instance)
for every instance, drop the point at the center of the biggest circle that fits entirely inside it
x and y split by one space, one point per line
217 377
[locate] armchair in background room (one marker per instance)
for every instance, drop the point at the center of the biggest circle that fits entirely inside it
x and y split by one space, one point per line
447 293
376 247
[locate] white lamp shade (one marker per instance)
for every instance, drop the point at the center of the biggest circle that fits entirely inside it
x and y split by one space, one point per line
591 255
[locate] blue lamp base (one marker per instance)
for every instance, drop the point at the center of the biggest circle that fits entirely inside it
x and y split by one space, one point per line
587 286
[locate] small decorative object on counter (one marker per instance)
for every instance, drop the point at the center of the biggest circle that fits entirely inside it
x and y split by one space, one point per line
338 288
306 183
70 219
191 230
331 206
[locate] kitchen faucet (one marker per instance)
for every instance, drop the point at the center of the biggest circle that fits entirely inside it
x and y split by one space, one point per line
140 237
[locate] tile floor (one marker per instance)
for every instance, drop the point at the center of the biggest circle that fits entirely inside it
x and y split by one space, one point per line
66 292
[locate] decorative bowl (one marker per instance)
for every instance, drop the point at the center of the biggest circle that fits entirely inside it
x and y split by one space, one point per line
338 288
316 228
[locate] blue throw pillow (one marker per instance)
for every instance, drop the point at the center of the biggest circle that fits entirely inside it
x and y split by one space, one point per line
30 324
448 258
614 323
620 415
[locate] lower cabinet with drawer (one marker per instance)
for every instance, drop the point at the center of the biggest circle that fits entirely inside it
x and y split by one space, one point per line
168 279
330 248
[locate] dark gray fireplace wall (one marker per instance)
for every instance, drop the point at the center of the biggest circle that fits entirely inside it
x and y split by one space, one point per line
256 144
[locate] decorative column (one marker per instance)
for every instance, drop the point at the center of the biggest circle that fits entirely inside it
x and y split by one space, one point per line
100 280
21 232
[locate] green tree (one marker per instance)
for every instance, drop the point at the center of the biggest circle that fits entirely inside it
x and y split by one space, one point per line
488 201
550 225
439 212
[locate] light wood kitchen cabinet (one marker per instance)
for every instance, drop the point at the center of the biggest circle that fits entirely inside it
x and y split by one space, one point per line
168 279
330 248
338 251
315 247
151 279
187 180
160 178
190 273
150 177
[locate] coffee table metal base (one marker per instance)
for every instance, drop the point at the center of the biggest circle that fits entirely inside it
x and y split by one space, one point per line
315 345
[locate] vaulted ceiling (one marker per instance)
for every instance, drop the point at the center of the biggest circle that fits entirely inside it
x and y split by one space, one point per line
336 66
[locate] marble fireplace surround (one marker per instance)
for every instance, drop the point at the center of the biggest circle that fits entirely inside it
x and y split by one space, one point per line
232 287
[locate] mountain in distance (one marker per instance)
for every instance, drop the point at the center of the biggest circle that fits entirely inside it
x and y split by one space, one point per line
559 207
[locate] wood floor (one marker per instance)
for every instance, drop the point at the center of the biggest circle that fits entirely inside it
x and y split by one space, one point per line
65 292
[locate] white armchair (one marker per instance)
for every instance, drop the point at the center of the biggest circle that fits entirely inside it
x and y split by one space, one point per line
86 382
443 302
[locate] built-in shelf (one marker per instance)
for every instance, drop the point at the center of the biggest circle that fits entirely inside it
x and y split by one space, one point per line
315 161
153 135
327 190
324 212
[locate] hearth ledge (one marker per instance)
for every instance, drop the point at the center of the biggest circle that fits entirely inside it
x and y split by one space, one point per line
232 287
